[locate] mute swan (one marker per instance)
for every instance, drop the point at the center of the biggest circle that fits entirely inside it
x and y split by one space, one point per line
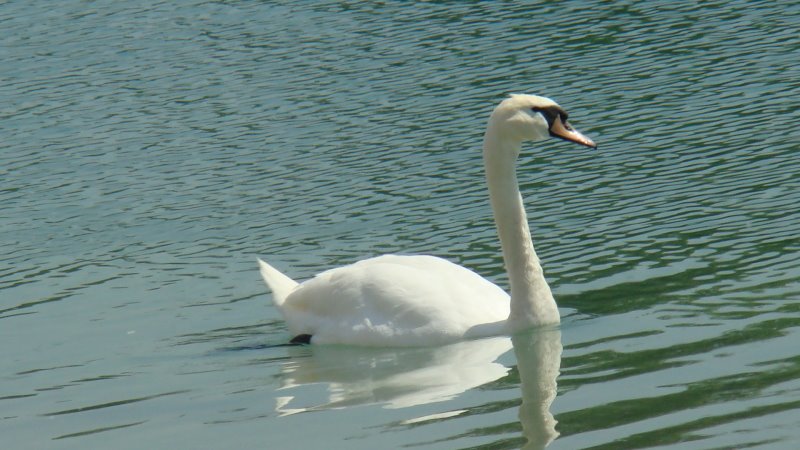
421 300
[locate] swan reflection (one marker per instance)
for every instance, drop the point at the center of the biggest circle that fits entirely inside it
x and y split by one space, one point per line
330 377
538 362
396 378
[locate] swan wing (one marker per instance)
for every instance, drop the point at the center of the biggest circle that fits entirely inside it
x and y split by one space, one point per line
394 300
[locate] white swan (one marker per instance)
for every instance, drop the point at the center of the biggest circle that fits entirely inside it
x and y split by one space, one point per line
394 300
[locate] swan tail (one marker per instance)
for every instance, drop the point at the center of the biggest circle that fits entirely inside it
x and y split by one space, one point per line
280 284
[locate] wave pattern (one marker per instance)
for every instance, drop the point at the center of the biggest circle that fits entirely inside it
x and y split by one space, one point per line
152 150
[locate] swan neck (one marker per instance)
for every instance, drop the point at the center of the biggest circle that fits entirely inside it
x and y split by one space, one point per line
532 302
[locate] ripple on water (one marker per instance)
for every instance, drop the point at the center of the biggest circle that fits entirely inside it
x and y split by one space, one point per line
152 150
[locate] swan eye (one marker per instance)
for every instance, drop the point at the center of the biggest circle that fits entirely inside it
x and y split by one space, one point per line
538 110
551 112
548 114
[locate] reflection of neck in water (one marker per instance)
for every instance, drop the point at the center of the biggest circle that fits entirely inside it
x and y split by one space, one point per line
538 361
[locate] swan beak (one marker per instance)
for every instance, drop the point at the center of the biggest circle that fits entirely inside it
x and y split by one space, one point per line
562 130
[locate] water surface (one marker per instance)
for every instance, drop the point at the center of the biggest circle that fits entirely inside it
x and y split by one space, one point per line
152 150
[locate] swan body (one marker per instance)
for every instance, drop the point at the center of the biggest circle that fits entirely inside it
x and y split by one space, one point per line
395 300
417 300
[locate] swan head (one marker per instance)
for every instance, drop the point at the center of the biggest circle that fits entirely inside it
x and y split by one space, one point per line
534 118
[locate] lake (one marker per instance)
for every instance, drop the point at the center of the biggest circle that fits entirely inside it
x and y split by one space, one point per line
151 151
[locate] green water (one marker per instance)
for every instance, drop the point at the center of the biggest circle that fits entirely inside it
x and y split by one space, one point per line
151 151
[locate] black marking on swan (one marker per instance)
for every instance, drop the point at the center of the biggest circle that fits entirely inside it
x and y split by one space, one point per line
301 339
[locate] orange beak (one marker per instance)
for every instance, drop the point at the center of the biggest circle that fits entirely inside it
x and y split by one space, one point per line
562 130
